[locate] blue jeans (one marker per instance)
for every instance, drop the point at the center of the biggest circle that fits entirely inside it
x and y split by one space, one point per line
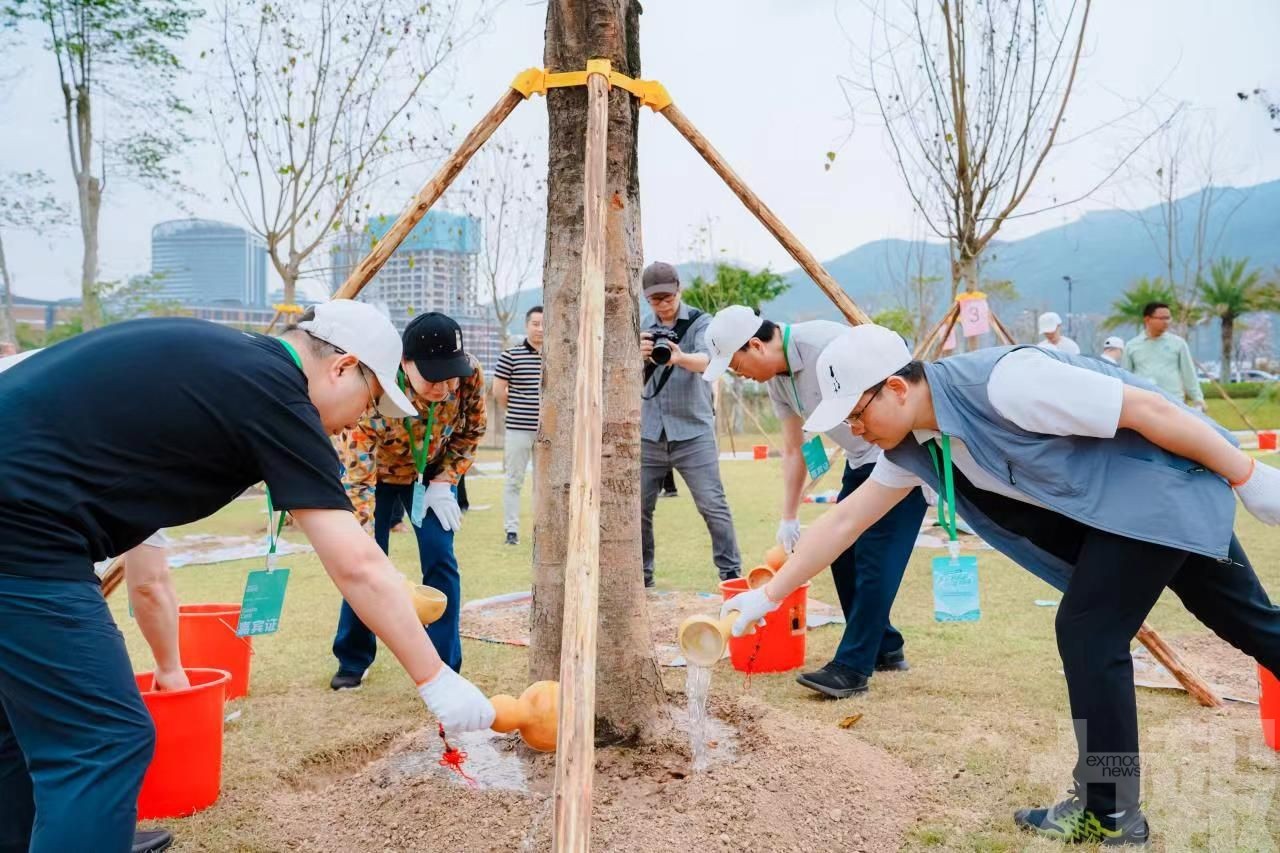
868 575
75 738
355 645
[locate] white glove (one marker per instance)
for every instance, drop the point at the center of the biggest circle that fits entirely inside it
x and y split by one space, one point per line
788 533
444 502
457 703
1260 493
752 606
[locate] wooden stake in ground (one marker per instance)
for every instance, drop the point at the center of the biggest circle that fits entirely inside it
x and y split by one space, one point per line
767 217
575 755
1168 658
427 196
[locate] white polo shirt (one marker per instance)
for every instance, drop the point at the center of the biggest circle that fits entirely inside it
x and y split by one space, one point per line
1038 394
807 340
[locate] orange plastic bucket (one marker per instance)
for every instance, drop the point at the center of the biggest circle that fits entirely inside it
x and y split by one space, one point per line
779 645
207 639
1266 440
186 770
759 451
1269 706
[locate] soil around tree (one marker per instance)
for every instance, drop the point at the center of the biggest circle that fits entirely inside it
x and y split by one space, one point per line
774 783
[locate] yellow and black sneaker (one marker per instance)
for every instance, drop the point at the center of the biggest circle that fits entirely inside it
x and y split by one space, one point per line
1071 823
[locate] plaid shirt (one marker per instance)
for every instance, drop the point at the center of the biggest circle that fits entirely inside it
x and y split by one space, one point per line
682 409
376 450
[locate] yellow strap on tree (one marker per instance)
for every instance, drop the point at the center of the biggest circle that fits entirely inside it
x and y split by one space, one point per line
536 81
970 294
287 308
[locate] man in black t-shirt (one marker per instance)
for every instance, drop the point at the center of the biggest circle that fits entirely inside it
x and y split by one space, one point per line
116 433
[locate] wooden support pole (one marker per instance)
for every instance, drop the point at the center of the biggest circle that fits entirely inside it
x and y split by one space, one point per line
941 340
1168 658
925 346
755 420
575 755
427 196
112 577
1232 403
1001 331
802 256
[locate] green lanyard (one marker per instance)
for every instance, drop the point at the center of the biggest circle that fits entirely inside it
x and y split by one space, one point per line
946 497
274 536
786 345
420 454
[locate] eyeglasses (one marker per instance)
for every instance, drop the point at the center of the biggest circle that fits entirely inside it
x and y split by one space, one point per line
855 418
661 299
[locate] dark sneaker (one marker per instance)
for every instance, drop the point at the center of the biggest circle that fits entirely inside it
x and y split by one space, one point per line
649 583
892 662
834 680
1071 823
346 681
668 493
151 840
730 576
513 538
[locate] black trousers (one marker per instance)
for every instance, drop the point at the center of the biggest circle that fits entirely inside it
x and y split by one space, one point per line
1115 583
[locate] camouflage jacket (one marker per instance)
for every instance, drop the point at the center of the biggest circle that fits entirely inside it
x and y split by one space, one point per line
376 450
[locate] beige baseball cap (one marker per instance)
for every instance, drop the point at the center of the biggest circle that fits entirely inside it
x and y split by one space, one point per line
365 332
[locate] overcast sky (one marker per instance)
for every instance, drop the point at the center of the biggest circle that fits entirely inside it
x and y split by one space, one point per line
760 78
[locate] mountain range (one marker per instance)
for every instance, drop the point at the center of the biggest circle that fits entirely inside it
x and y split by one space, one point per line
1103 252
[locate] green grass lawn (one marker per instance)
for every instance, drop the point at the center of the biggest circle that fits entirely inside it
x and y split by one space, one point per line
982 717
1263 414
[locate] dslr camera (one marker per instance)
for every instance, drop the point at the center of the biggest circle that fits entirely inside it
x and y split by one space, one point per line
662 340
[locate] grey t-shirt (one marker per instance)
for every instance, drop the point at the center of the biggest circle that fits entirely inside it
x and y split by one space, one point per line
807 340
682 409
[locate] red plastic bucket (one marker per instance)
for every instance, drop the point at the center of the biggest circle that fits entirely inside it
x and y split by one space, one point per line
207 639
186 770
779 645
1266 440
1269 706
759 451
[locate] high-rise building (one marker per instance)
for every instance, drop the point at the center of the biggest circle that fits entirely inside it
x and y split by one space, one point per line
204 263
434 269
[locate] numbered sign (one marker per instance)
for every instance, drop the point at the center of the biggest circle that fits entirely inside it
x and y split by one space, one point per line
975 316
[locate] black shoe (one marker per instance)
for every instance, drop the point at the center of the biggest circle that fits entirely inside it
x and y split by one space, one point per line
668 493
346 681
649 583
151 840
892 662
730 576
1070 822
513 538
834 680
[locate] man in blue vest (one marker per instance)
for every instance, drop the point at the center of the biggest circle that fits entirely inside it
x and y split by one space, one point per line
1088 476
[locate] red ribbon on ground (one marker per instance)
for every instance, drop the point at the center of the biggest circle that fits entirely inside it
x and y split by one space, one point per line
454 759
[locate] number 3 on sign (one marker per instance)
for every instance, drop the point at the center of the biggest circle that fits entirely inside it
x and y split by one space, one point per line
263 600
975 316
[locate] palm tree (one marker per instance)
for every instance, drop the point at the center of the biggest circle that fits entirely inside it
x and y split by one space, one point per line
1232 289
1127 310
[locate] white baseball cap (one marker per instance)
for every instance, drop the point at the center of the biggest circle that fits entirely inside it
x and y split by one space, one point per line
729 330
1049 321
363 331
849 365
1113 342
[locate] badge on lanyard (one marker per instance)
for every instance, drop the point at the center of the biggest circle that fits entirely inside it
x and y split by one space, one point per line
418 505
815 455
264 589
955 577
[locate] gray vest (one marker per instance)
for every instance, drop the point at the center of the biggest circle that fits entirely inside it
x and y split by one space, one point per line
1124 485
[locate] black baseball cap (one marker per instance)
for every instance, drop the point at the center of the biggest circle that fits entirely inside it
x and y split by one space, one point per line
433 342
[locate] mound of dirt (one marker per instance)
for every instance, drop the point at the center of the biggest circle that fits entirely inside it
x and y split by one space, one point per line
774 783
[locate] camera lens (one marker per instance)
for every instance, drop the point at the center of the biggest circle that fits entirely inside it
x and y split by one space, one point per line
661 352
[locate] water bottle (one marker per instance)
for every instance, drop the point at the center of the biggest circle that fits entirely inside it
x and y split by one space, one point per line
955 587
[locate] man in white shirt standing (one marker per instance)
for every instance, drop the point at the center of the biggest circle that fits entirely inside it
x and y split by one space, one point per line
1089 477
867 575
1050 325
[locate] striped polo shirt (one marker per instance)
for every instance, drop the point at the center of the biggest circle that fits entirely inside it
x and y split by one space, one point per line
521 366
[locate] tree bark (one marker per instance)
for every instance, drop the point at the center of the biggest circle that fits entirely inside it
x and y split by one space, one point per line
8 330
629 694
89 197
1228 332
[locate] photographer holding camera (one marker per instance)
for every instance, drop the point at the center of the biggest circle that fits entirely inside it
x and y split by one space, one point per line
677 421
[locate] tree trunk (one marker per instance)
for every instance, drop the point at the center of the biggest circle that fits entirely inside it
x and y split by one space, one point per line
629 694
91 204
1228 330
8 330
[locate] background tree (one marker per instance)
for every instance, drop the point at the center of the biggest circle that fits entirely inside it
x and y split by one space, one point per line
117 69
1127 309
914 289
1231 289
629 695
26 204
731 285
900 320
320 102
972 95
507 193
